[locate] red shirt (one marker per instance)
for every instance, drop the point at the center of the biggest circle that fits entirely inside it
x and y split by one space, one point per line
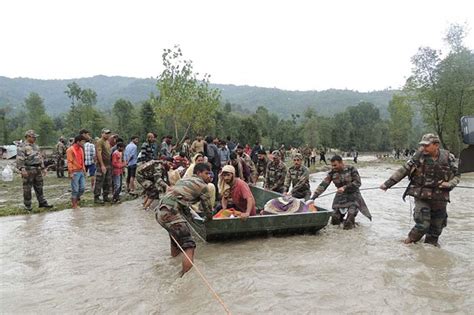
240 193
117 163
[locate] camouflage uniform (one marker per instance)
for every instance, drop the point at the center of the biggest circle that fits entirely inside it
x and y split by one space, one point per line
172 207
30 159
275 178
60 156
251 165
153 177
103 182
426 174
350 201
299 177
262 167
307 156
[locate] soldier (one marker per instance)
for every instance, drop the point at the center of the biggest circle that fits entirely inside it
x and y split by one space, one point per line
250 164
298 175
104 169
170 211
262 162
29 161
433 173
307 156
276 172
348 198
153 177
60 155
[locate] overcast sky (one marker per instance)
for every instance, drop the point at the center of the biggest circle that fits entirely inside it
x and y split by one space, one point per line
295 45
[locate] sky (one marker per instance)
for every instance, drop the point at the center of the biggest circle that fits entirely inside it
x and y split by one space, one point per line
294 45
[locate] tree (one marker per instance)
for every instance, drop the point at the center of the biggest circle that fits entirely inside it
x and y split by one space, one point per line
4 131
82 113
444 86
147 118
125 113
400 125
73 92
38 120
189 103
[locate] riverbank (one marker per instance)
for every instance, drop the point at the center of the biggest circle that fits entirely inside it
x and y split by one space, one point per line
57 190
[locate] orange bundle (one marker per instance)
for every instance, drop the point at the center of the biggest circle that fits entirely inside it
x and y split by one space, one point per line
227 213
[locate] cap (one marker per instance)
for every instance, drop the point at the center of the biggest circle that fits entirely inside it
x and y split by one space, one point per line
31 133
429 138
105 130
298 156
276 153
228 169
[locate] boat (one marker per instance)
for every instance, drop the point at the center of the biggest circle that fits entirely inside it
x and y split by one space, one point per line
259 225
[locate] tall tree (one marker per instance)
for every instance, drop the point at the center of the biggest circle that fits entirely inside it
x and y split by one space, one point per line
189 103
444 86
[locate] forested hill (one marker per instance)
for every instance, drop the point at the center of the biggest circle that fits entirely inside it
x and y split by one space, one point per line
109 89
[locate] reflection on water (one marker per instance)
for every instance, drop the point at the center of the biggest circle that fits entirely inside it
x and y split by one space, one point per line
116 259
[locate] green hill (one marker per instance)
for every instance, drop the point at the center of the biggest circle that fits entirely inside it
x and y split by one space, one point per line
248 98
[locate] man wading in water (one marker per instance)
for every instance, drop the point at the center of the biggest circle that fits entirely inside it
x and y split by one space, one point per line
348 198
433 173
169 212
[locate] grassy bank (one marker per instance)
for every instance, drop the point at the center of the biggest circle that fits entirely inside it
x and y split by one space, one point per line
57 192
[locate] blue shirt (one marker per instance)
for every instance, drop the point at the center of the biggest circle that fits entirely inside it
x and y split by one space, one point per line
131 154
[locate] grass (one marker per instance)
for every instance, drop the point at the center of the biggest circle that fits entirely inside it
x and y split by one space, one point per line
56 191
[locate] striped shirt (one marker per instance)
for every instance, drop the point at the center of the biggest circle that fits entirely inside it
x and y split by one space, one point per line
89 153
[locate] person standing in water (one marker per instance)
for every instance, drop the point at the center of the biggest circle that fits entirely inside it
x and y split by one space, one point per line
433 173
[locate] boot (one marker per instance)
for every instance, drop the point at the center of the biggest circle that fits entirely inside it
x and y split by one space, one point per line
336 218
429 239
74 203
98 201
349 222
45 205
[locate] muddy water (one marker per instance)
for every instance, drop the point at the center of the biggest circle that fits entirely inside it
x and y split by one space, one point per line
115 259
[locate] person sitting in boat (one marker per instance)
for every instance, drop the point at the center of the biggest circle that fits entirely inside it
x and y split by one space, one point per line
298 176
348 199
236 193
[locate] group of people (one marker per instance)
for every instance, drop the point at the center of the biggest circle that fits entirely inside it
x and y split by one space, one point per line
198 174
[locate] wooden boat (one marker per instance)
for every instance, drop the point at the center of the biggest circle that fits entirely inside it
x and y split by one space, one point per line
231 228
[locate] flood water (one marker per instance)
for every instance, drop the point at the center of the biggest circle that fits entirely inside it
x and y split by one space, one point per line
116 259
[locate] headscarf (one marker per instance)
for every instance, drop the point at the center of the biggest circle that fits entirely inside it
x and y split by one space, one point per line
224 188
190 170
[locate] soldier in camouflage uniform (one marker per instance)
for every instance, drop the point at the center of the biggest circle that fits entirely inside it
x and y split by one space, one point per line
348 199
60 156
306 151
298 176
262 162
433 173
276 172
29 161
250 164
175 203
153 177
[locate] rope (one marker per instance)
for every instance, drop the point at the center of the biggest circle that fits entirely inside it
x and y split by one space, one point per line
373 188
218 298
